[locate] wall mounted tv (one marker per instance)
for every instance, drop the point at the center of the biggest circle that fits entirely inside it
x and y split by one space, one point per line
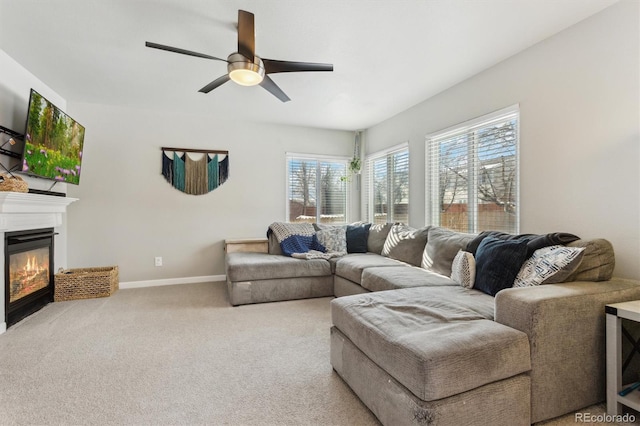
53 142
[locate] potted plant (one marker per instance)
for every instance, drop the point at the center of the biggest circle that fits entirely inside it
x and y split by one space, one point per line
355 165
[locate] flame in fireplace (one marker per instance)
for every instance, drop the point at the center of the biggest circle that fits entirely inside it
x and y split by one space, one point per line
32 266
28 272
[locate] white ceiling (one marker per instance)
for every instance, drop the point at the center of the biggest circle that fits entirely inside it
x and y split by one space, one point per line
388 55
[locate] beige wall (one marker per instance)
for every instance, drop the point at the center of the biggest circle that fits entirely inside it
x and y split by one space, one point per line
579 113
128 214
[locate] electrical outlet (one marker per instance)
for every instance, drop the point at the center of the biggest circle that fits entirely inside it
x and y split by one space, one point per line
158 260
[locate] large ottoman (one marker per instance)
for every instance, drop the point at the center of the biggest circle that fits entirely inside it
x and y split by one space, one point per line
262 277
431 356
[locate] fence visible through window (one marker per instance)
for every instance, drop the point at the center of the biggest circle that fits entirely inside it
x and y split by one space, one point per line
316 190
472 175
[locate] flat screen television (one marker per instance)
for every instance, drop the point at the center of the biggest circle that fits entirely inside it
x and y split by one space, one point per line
53 142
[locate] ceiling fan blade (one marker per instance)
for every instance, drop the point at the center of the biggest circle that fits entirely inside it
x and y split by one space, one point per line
273 88
246 35
272 66
182 51
215 83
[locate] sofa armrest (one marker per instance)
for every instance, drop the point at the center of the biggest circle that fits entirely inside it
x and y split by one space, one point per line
566 328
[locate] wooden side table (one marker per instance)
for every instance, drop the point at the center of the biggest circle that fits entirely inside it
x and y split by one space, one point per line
255 245
615 365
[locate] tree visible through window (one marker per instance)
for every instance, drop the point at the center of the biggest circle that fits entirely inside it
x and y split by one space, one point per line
473 171
387 186
316 191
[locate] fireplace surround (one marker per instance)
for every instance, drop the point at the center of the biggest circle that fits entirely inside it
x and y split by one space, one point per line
28 272
22 212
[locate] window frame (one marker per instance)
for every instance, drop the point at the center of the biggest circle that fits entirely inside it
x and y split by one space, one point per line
318 158
432 174
368 195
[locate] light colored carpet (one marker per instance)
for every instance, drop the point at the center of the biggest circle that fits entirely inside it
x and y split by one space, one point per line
174 355
177 355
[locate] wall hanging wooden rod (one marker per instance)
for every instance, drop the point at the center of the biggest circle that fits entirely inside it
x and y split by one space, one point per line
201 151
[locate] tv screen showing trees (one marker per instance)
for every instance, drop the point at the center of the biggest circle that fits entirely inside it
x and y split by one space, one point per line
53 142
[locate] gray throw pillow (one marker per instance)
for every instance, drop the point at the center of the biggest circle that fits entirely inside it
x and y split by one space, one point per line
442 247
405 243
377 237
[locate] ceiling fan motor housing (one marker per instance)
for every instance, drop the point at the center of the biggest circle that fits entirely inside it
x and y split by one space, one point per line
243 71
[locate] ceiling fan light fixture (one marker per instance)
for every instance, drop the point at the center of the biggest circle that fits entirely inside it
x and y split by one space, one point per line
245 72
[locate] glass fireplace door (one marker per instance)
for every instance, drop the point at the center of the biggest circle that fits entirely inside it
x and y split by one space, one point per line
28 272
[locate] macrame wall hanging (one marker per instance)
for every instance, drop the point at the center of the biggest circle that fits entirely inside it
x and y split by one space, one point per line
198 176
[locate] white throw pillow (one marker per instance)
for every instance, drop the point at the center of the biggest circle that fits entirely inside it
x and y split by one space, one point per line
548 265
463 269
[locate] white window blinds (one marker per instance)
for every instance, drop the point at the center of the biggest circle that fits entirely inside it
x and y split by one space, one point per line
386 185
316 189
472 174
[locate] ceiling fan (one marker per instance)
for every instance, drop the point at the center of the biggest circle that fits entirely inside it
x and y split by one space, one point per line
244 66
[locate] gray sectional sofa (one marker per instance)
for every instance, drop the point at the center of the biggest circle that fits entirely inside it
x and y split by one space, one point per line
420 349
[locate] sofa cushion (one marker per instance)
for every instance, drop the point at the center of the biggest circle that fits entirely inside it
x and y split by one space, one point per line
549 265
332 263
263 266
377 236
274 245
357 236
498 263
436 341
442 246
390 278
405 243
352 265
597 263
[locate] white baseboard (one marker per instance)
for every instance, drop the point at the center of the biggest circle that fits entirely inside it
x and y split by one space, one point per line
3 327
172 281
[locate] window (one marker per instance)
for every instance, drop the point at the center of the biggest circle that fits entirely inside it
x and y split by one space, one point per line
472 174
386 185
316 188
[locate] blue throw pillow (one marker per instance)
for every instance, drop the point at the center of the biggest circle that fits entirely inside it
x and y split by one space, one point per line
357 236
498 263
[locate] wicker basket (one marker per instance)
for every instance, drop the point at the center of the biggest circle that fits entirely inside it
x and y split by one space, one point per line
13 183
85 283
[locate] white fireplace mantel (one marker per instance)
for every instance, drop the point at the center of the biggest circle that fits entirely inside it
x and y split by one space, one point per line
23 211
20 211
